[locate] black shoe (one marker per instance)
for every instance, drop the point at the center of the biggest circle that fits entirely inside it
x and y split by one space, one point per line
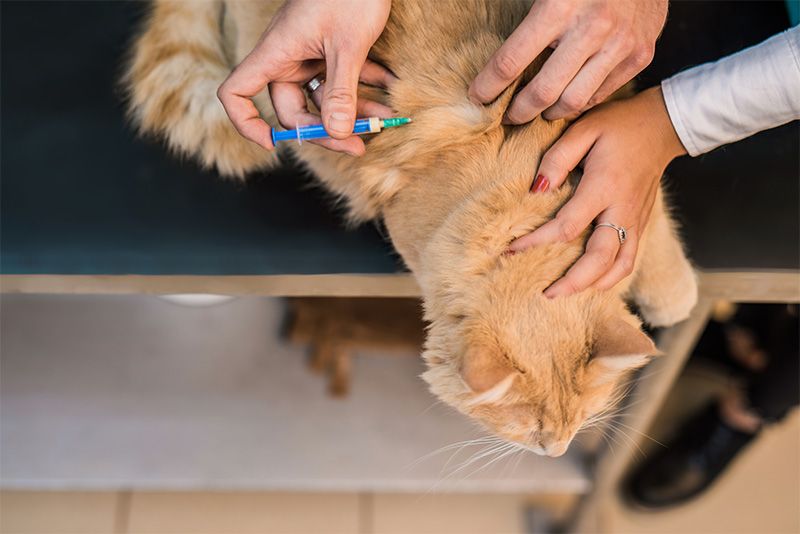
701 451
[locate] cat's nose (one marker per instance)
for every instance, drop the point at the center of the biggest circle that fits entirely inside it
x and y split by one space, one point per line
551 445
554 450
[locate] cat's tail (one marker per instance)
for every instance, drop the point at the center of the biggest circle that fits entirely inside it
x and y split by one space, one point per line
171 81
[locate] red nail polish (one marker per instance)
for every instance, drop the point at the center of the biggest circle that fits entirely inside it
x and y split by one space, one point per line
509 252
540 184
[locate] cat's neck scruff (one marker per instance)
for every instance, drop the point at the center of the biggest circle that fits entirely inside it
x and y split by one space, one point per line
453 190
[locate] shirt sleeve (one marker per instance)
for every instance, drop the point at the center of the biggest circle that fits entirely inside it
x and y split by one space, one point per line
721 102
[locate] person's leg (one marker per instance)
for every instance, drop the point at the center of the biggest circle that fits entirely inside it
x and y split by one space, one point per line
709 441
774 392
763 338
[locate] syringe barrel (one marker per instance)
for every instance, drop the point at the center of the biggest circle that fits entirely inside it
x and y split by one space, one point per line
317 131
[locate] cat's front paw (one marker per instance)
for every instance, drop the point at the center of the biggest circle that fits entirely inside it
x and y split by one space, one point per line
671 307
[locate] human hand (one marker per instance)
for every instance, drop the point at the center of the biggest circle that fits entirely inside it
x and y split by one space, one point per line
599 46
304 39
625 146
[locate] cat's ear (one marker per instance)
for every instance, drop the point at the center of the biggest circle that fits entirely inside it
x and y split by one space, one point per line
619 347
487 373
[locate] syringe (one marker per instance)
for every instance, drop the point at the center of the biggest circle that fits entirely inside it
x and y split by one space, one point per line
317 131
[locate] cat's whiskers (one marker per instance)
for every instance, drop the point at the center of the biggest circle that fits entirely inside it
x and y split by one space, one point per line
486 451
520 456
459 445
602 417
497 449
514 448
644 435
498 453
522 449
615 438
621 432
431 407
495 441
612 408
608 441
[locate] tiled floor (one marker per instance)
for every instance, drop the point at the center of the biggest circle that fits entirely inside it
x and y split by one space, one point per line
24 512
257 512
760 494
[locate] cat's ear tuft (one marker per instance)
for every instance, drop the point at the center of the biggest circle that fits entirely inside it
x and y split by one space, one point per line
619 347
487 373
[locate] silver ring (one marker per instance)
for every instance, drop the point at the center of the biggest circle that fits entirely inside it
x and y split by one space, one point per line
622 234
313 84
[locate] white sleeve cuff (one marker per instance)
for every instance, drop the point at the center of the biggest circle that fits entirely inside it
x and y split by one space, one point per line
672 101
742 94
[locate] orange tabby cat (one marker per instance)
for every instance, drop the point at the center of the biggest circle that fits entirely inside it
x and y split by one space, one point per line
453 190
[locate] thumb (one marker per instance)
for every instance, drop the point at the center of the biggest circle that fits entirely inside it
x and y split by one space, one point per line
343 67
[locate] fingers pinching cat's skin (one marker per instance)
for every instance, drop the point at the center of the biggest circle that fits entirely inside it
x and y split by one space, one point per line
339 102
531 37
341 91
599 45
551 81
303 36
289 102
376 75
372 74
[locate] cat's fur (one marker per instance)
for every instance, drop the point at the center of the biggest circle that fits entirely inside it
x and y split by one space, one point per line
453 191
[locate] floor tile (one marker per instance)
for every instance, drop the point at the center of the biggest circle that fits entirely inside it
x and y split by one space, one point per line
447 514
57 512
242 513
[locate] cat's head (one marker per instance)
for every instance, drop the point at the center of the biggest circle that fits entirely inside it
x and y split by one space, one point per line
533 370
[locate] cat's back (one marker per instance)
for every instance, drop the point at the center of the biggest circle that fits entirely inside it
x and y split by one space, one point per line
416 33
419 33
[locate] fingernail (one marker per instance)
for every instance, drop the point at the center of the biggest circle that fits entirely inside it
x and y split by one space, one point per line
549 293
540 184
551 115
340 122
509 252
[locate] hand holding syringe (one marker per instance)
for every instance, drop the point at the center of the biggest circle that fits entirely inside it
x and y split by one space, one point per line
317 131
